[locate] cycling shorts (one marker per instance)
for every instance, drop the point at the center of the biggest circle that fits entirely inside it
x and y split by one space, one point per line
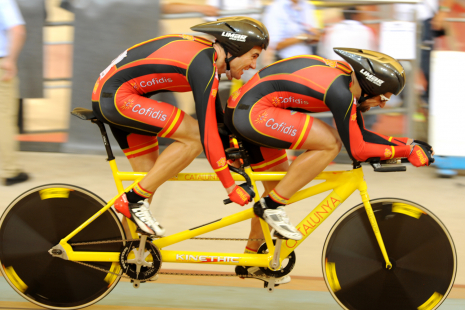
263 123
136 120
269 130
133 144
264 158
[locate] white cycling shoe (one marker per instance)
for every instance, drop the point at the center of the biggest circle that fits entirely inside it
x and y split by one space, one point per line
140 213
279 220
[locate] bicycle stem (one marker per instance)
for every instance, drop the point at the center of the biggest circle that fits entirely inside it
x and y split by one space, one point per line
373 222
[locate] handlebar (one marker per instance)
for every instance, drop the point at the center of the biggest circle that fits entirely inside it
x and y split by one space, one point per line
378 164
247 180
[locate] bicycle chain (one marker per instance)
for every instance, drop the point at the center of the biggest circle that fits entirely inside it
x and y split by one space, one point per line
168 273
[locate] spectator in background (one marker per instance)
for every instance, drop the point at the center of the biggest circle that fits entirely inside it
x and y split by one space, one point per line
292 27
177 8
234 5
12 37
349 32
166 8
432 14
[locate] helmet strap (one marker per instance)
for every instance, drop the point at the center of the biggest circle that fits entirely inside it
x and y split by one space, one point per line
364 97
227 61
228 66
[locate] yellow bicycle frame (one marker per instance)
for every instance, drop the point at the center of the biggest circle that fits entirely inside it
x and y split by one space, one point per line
342 184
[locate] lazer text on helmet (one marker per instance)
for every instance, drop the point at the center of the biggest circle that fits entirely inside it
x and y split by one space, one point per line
370 77
234 36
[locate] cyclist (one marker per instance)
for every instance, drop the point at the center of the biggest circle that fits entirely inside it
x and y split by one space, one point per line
266 113
176 63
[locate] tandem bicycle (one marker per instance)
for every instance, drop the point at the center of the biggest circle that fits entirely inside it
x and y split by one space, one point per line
63 247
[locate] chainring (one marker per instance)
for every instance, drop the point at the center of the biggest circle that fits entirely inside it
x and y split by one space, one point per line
286 267
146 272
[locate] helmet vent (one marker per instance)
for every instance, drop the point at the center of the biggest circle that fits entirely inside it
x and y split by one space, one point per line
371 66
263 33
230 27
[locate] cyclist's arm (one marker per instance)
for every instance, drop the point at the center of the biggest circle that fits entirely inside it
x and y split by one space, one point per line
360 143
203 78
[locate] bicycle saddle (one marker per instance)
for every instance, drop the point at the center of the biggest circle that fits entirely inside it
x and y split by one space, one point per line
83 113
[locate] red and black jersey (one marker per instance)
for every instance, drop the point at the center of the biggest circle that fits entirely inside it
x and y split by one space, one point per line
176 63
314 84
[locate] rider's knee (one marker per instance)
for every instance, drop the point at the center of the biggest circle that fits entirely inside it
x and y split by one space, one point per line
338 144
196 146
335 145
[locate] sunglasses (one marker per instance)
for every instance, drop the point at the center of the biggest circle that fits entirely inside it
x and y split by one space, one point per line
384 98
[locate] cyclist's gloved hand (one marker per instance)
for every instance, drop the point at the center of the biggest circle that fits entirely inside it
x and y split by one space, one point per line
239 196
418 142
421 155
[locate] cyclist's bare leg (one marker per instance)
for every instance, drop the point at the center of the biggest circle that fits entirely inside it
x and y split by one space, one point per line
144 163
177 156
323 144
256 230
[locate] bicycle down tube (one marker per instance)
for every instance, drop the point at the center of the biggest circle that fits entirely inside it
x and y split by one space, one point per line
342 184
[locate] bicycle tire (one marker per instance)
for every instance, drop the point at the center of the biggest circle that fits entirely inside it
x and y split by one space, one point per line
35 222
418 245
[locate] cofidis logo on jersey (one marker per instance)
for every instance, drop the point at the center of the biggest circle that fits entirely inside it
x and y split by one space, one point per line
276 101
370 77
155 81
127 104
150 112
261 117
234 36
281 127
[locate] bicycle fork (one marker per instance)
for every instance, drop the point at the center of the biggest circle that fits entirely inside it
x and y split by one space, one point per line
373 222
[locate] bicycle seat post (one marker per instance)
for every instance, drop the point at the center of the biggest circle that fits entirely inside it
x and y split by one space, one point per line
106 142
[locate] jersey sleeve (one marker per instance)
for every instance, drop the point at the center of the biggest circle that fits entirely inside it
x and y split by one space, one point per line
203 79
360 143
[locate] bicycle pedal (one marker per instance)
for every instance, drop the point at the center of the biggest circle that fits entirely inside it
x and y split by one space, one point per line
141 232
136 283
270 286
278 235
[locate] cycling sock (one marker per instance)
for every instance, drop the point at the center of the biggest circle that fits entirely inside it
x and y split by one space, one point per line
249 251
271 204
138 193
274 200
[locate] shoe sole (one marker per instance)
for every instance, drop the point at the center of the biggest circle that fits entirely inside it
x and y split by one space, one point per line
142 225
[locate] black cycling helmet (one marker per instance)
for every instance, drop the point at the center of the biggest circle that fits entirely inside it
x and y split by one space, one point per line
238 34
376 72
